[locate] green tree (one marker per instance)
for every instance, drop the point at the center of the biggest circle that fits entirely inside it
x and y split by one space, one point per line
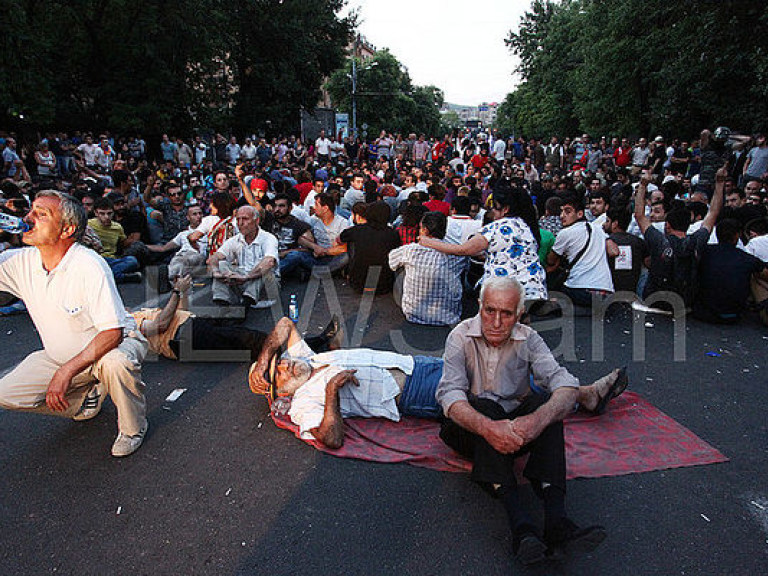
118 64
386 98
640 67
285 51
166 65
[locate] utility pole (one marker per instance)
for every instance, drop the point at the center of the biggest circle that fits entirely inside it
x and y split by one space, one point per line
354 85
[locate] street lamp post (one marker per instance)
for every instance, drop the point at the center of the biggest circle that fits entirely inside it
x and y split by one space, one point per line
354 91
353 77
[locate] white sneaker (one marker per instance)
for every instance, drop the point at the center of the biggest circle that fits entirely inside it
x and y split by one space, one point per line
91 405
261 304
126 445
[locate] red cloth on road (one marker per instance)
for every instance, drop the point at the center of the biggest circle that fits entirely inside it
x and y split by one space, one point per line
632 436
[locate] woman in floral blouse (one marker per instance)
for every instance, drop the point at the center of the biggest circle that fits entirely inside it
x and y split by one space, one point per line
510 242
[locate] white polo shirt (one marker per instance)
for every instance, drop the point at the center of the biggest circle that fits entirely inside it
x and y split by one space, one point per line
247 256
70 304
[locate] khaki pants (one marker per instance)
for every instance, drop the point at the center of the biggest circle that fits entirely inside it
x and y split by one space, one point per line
118 372
184 263
233 293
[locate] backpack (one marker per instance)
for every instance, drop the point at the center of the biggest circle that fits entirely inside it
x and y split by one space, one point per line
685 266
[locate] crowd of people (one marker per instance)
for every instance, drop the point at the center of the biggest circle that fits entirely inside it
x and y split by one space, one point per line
516 226
444 214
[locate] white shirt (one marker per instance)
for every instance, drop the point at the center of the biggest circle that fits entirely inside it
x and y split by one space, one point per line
712 237
323 146
375 397
182 240
301 213
208 222
309 201
592 270
499 148
70 304
200 149
246 256
461 228
249 152
352 197
325 236
758 247
89 153
405 192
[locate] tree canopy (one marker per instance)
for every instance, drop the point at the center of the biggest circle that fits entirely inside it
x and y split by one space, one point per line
386 98
639 67
161 65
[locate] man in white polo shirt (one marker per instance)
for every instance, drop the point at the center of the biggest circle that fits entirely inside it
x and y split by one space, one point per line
242 262
86 333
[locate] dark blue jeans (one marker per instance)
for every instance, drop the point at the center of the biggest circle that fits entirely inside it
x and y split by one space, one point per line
122 266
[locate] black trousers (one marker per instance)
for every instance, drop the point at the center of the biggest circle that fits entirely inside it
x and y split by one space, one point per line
212 334
546 454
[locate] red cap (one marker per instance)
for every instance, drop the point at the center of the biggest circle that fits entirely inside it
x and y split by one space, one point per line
259 184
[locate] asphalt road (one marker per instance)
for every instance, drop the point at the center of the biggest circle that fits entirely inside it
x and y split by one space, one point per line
218 489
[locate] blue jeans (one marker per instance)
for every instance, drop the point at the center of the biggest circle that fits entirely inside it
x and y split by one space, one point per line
122 266
418 396
302 259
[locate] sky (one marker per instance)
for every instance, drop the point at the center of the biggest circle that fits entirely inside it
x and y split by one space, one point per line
456 45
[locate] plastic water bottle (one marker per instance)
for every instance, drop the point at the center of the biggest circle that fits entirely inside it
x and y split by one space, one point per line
13 224
293 309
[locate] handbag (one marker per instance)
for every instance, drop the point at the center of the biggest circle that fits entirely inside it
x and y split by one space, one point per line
557 277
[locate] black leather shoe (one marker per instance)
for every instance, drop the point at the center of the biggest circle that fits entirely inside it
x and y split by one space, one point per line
566 534
528 548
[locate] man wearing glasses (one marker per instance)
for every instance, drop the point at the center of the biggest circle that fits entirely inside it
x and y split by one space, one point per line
171 206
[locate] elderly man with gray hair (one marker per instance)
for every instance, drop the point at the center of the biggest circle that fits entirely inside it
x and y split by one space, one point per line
91 347
493 417
241 265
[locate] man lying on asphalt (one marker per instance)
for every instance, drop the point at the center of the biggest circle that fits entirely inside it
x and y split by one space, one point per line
382 384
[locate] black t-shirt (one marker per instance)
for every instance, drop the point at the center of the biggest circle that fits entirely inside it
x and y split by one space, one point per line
680 154
674 262
725 273
136 222
660 154
626 267
368 246
287 233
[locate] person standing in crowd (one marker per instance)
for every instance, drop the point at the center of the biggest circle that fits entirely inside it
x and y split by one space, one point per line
756 164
